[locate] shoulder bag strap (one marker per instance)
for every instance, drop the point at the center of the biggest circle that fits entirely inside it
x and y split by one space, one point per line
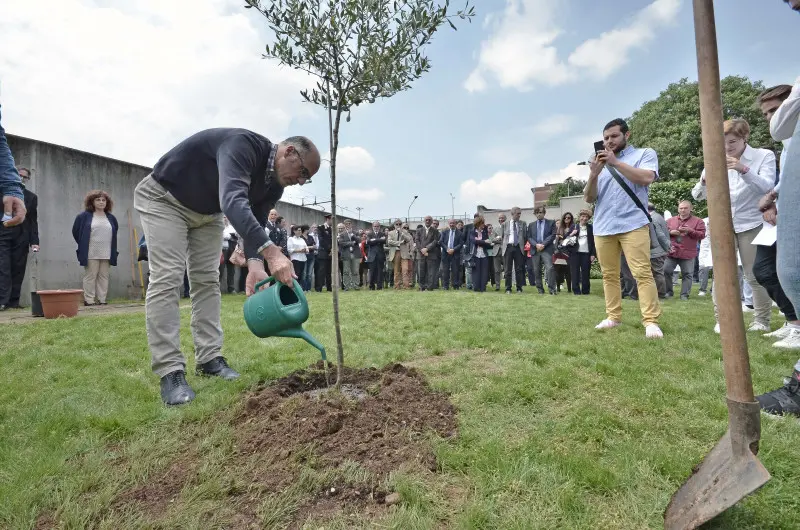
629 191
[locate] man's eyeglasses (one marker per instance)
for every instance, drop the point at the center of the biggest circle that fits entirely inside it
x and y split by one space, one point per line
304 173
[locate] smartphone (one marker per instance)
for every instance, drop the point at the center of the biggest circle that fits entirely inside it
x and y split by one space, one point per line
599 146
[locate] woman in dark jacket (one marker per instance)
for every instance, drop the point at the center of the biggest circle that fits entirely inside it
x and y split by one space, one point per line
95 232
583 254
566 237
479 242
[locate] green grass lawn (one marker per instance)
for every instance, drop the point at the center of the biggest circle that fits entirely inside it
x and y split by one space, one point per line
561 426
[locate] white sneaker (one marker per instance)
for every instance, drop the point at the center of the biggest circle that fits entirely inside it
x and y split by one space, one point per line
779 333
701 293
716 328
758 326
652 331
607 324
746 309
791 341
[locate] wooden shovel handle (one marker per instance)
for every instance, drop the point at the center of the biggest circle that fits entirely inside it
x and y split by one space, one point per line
734 343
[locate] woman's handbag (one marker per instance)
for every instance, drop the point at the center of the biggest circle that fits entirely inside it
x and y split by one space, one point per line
559 258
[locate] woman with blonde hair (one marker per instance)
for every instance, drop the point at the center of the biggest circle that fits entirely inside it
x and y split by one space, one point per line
95 231
751 174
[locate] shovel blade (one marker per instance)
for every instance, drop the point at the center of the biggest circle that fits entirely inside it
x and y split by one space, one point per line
724 477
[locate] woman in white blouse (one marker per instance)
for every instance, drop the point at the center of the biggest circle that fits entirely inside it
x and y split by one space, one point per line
95 232
297 248
751 174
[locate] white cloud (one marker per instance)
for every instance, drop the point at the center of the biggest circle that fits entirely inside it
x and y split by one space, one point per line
606 54
502 188
131 79
353 160
521 50
508 188
573 170
355 194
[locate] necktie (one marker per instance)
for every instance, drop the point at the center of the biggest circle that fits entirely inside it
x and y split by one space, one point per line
451 239
514 233
541 231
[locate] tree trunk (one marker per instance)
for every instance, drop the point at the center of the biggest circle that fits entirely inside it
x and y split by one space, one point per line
334 146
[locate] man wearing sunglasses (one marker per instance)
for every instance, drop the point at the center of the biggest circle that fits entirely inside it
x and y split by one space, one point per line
232 172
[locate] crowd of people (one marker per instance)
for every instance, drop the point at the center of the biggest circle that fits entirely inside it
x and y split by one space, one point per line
194 198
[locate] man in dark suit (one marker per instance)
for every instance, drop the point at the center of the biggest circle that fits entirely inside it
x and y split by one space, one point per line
430 254
323 272
24 238
282 237
451 241
541 235
376 255
516 233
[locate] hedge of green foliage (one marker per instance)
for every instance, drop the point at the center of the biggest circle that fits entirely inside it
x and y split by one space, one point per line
665 195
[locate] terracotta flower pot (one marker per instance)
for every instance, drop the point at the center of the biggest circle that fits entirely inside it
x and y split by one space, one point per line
60 302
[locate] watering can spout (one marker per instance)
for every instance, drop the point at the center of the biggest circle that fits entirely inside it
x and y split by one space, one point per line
300 333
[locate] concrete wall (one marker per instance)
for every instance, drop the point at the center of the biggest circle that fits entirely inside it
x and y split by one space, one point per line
62 177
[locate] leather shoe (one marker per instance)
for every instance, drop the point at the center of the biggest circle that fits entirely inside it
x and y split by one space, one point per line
218 367
175 390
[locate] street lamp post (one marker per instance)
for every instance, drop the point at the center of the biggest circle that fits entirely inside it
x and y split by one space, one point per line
453 205
408 213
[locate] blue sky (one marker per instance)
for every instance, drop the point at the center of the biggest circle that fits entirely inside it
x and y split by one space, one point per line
512 100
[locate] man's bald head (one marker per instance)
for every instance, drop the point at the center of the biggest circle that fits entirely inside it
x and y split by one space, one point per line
296 161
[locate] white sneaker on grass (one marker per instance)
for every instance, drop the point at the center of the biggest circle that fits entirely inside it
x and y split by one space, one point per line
779 333
791 341
607 324
701 293
758 326
652 331
716 328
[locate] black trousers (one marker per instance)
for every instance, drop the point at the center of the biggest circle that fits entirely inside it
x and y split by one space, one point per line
480 273
451 270
514 262
427 271
6 245
228 268
299 268
766 273
579 265
376 274
322 274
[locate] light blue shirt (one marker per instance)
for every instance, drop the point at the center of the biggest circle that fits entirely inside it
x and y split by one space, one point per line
615 212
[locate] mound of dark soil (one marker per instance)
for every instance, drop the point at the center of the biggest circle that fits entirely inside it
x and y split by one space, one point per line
313 453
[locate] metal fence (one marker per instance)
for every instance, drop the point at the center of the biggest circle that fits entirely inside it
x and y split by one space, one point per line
414 221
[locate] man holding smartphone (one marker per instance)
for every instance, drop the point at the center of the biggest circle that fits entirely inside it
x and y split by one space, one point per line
619 177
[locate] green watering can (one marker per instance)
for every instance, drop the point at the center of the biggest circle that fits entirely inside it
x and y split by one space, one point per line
279 311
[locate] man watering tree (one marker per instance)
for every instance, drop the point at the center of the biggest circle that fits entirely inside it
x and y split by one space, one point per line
234 172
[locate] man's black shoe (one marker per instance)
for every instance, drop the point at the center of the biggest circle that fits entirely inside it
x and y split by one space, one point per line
218 367
784 400
175 390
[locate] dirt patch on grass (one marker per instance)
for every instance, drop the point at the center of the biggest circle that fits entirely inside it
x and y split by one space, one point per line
302 455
